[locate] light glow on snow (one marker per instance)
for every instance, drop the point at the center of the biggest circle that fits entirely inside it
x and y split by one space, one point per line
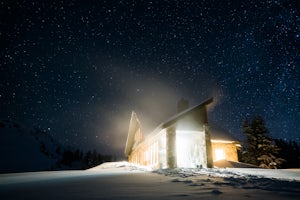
123 180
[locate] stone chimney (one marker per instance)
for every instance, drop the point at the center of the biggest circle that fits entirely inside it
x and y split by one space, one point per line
182 105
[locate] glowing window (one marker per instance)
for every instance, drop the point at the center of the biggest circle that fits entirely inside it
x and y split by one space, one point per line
190 149
219 154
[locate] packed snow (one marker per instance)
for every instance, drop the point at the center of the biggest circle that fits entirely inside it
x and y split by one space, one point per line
122 180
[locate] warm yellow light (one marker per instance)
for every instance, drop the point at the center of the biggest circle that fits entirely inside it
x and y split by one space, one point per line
222 141
219 154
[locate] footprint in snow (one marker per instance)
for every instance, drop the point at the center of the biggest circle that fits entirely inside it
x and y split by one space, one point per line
216 192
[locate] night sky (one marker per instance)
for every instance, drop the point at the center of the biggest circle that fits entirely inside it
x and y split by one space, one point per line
77 69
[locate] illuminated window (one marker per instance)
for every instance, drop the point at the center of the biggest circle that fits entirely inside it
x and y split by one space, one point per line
151 154
162 151
219 154
138 136
190 149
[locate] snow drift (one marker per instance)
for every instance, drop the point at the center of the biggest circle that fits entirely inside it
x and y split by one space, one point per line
122 180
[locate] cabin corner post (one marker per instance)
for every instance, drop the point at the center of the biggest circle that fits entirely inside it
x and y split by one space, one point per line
171 147
209 155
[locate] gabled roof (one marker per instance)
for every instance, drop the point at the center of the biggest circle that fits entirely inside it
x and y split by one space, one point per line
184 113
179 116
134 125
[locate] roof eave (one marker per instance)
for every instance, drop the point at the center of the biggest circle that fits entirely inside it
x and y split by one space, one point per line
175 118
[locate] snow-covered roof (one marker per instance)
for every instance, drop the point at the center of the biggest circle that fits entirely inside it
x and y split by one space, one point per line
184 113
217 133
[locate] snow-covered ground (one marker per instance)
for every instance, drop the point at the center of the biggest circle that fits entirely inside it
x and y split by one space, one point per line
121 180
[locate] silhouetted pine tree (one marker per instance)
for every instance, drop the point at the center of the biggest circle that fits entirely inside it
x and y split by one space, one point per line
68 158
290 151
260 150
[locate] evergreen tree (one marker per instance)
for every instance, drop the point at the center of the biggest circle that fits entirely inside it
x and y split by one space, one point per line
290 151
67 158
260 150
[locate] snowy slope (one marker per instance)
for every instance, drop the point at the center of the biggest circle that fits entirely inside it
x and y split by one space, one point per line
125 181
246 173
25 150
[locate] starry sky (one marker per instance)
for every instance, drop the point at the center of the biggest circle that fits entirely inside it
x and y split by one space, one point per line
78 68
